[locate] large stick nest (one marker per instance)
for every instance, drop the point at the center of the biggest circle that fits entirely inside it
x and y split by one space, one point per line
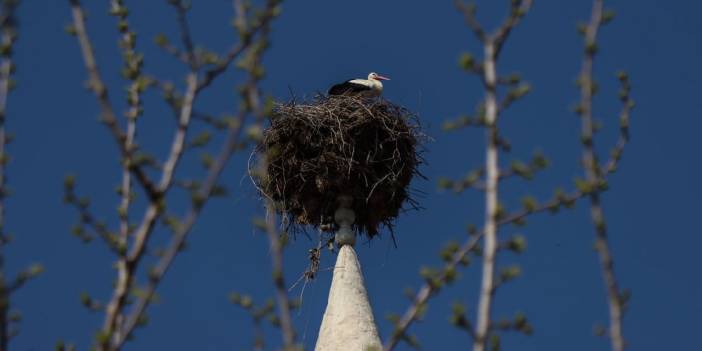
315 151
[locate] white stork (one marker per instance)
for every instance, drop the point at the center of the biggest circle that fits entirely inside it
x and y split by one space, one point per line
367 87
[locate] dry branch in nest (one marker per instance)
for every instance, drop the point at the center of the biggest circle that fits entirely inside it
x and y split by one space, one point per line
367 148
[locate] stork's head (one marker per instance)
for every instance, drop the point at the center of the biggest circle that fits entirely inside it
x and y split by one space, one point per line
376 76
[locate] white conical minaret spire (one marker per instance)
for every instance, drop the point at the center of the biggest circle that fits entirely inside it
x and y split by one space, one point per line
348 323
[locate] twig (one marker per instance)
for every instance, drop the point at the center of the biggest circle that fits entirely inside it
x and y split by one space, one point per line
87 218
179 139
518 10
185 35
627 106
162 42
595 178
468 10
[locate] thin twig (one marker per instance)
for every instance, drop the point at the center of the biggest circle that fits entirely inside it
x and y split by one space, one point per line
468 10
627 105
87 218
173 50
185 35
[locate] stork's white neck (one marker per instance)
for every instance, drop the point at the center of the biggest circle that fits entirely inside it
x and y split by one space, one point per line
376 85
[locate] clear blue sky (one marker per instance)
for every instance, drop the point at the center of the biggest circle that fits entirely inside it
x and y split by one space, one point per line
652 207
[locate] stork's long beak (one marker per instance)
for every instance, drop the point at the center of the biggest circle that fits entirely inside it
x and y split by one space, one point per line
379 77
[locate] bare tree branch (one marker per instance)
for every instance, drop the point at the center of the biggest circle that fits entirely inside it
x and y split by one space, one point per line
183 229
203 193
125 268
594 176
430 289
492 45
491 51
491 198
118 326
425 292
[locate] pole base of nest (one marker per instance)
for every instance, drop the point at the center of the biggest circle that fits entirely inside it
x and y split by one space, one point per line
344 217
342 239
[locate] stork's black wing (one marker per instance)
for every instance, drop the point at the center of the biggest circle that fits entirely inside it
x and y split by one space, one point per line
347 87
